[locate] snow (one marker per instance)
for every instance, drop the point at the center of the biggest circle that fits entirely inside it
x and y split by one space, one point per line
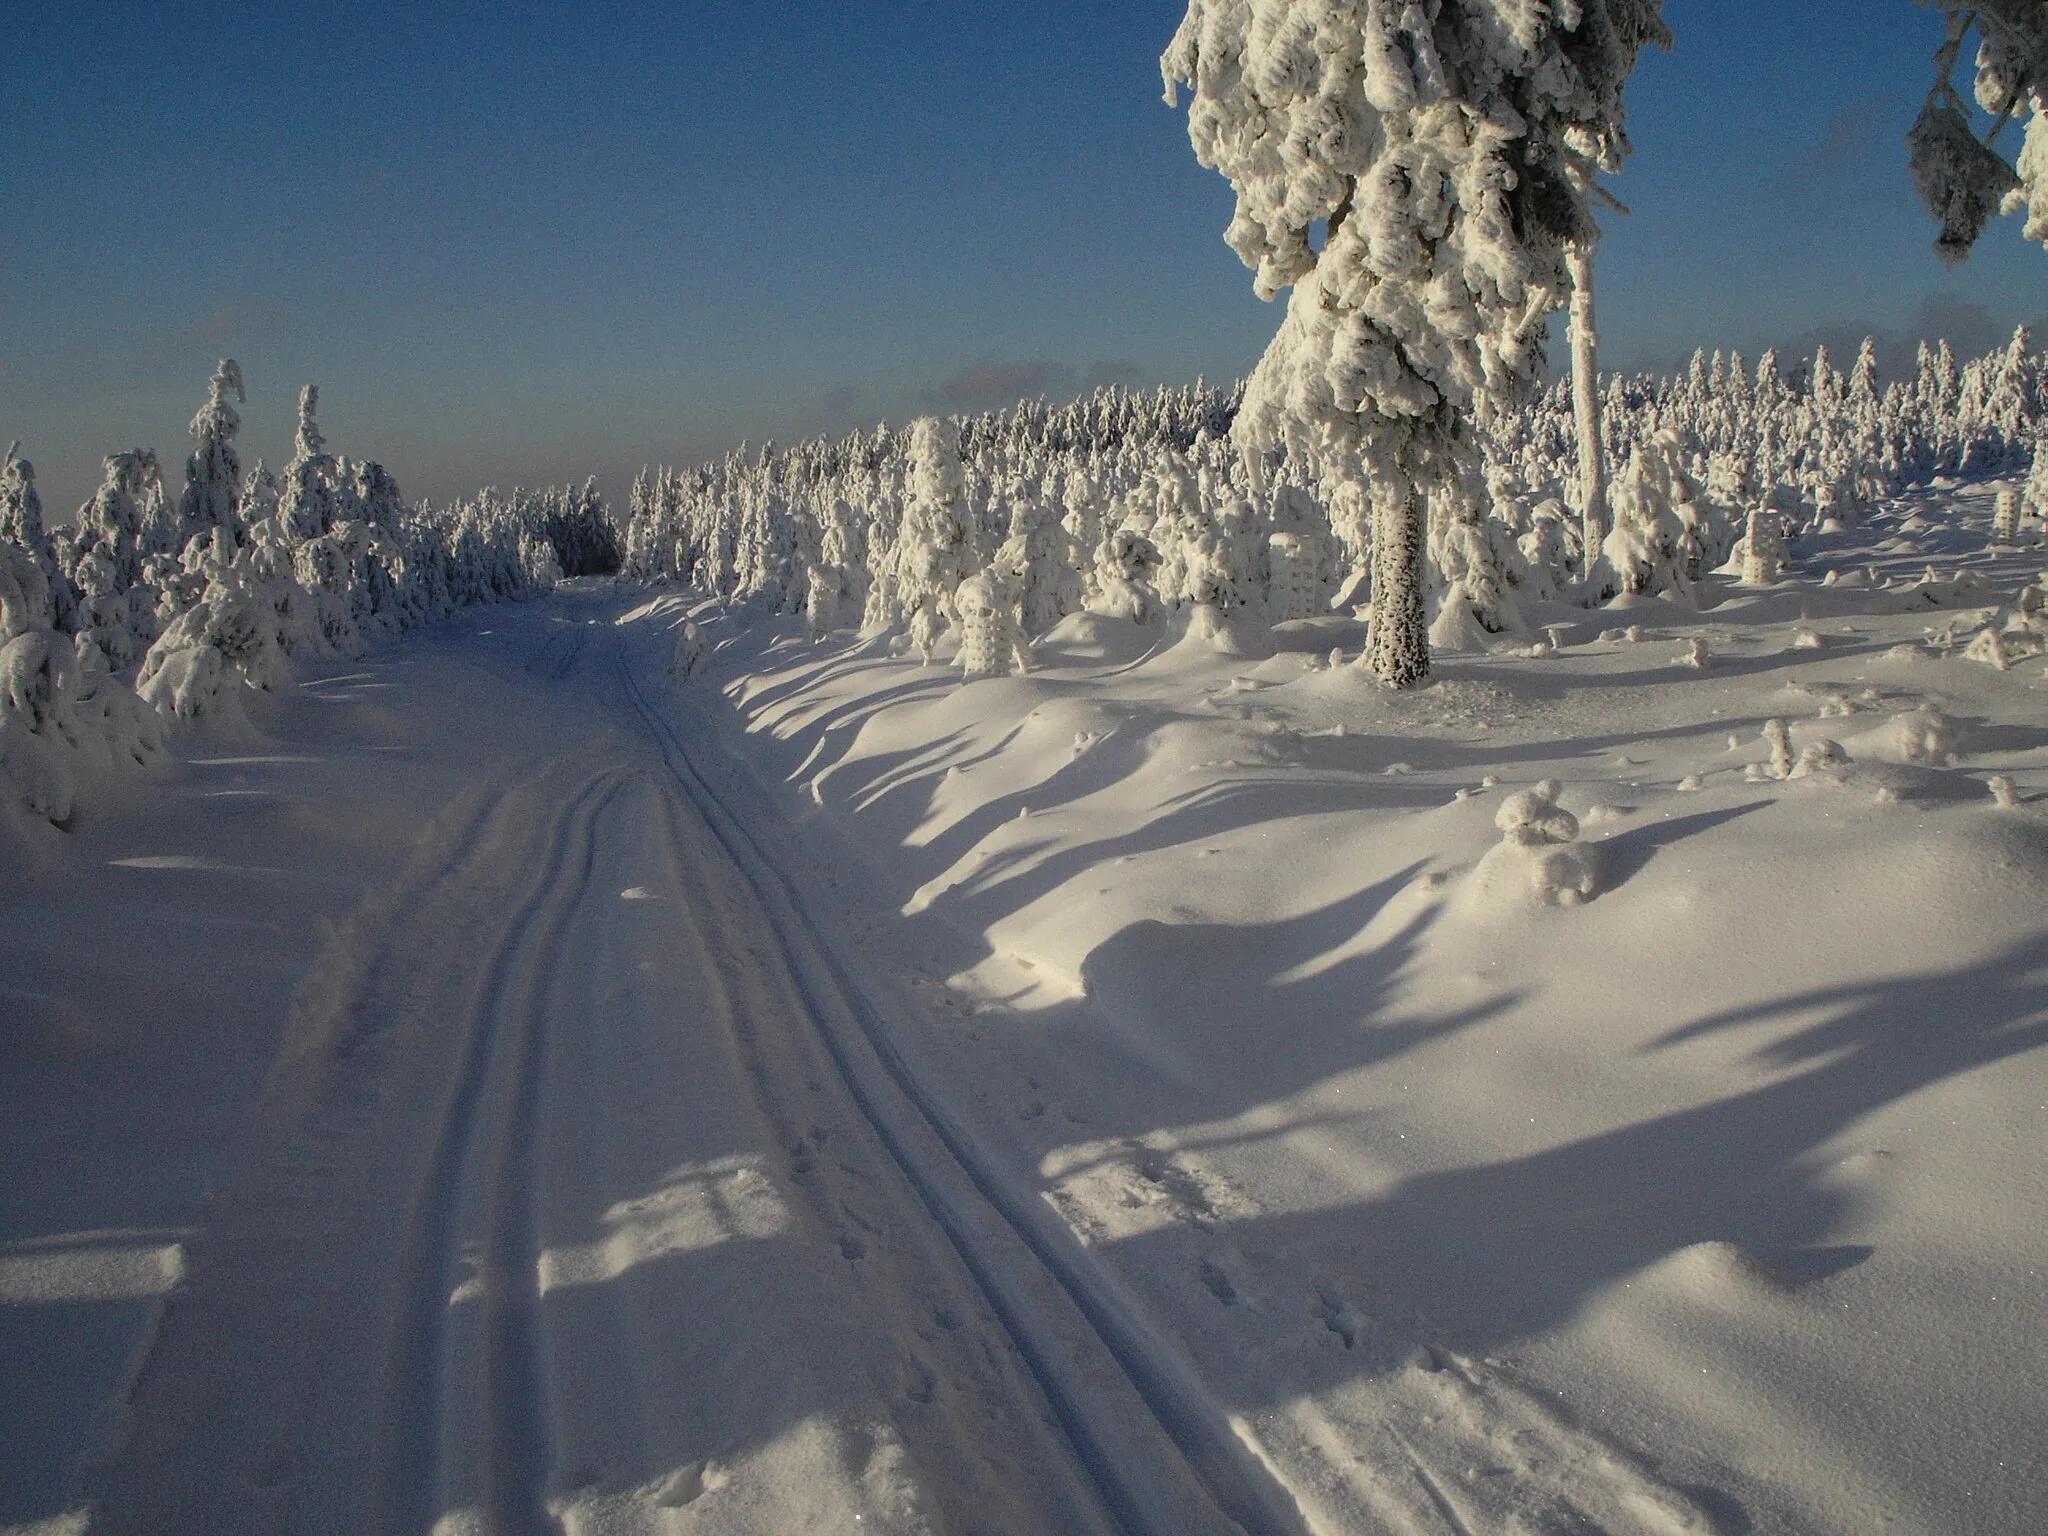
622 1059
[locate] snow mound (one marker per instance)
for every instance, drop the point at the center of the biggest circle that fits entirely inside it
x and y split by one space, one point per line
1923 737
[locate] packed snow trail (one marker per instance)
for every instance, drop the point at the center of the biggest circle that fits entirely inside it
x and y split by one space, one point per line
581 1199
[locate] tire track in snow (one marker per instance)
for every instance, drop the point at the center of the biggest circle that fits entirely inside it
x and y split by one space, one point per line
1164 1456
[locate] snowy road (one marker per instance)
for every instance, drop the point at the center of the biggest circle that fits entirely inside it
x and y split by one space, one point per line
583 1198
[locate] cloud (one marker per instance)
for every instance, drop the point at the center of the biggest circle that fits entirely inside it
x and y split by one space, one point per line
231 319
1113 372
1970 329
1846 142
988 386
994 386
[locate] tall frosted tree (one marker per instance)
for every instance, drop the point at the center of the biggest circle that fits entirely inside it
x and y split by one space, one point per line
936 549
1417 171
21 507
213 471
306 505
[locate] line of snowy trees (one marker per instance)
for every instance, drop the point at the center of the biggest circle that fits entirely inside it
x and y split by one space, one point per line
980 533
148 608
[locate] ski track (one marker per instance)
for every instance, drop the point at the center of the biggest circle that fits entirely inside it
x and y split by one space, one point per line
414 1397
453 1111
460 1286
1190 1474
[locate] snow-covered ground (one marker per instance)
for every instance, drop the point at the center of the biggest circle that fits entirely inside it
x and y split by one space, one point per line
1144 1094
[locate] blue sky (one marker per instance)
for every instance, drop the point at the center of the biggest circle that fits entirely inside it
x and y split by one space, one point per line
521 243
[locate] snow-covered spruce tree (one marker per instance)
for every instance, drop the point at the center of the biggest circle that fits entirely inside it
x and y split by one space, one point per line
21 505
306 502
1763 547
1480 564
213 470
1962 179
2035 498
1032 562
836 584
992 642
106 560
21 524
1445 152
934 552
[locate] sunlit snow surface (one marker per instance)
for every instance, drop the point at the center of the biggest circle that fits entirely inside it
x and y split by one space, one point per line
1709 1201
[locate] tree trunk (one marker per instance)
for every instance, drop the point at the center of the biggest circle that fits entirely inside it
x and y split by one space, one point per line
1586 406
1398 650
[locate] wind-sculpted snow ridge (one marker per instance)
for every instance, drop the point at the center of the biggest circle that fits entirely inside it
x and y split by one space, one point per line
1141 505
142 613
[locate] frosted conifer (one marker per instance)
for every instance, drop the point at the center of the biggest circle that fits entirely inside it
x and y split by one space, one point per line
991 641
1964 180
306 505
213 470
1445 155
934 552
1763 552
21 508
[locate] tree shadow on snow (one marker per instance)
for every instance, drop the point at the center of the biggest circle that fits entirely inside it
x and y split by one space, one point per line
1494 1253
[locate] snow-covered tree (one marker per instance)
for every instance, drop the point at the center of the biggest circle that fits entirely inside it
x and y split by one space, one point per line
991 640
935 551
1417 174
213 470
1592 455
1964 179
21 507
306 504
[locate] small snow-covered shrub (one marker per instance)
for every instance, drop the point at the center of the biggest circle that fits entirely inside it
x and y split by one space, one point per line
692 655
1537 860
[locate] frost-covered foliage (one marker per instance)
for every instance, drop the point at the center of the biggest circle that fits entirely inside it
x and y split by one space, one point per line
1963 179
134 615
1418 175
213 472
935 549
579 530
1140 505
991 639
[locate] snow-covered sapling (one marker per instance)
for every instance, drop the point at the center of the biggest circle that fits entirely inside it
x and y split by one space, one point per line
1818 757
991 640
1532 818
1536 830
692 655
1779 738
1763 549
2005 517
